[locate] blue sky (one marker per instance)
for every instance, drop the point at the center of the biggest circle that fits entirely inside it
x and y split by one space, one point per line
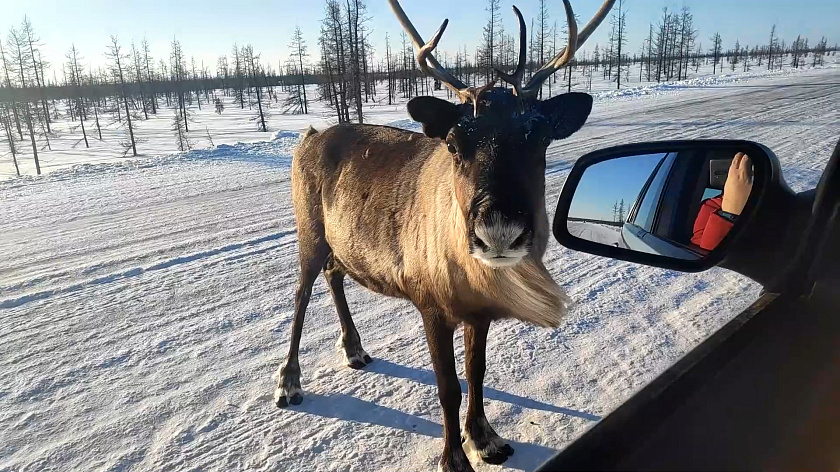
610 181
209 28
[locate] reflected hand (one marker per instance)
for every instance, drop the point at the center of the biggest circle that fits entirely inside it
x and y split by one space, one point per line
738 186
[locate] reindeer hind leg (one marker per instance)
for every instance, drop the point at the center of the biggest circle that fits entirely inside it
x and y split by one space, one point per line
313 253
350 342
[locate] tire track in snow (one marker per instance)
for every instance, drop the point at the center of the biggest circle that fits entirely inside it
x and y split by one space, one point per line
136 271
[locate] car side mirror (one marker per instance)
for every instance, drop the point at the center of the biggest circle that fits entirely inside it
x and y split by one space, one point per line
679 205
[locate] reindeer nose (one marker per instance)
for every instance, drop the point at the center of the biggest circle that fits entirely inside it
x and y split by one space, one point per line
495 235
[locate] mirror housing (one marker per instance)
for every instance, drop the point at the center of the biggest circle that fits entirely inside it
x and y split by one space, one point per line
758 246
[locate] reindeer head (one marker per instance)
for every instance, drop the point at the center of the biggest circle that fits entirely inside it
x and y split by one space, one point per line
498 137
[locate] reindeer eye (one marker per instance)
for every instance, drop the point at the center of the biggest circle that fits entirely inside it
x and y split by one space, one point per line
451 148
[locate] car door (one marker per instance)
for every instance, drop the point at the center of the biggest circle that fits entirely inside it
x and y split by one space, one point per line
637 231
761 393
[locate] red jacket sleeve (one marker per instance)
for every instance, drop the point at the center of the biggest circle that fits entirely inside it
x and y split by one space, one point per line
709 227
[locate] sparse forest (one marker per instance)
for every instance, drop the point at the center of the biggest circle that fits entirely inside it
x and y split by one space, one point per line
347 76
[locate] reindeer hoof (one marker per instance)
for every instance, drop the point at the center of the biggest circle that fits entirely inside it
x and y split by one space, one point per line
499 456
355 358
283 397
356 362
486 447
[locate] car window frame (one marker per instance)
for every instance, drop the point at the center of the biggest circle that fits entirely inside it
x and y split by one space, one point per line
666 165
631 218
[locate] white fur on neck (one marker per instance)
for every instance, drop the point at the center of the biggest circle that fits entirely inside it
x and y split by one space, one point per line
524 291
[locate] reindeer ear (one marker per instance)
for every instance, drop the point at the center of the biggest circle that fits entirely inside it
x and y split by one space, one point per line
437 116
566 113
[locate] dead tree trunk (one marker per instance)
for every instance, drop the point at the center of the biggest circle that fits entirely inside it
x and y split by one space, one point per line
259 96
7 128
31 130
115 54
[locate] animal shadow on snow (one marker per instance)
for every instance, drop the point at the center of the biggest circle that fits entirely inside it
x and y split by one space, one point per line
427 377
527 456
348 408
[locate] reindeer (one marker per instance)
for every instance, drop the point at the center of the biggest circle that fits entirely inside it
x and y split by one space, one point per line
454 221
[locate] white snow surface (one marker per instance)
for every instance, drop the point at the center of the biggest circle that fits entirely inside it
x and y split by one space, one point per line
145 304
597 232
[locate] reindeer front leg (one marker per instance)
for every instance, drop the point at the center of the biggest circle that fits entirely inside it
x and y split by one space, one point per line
479 437
439 334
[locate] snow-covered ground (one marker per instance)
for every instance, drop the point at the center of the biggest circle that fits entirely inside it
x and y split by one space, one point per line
145 304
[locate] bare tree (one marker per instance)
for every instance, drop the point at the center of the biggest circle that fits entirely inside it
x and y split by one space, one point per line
137 60
542 35
662 35
609 54
118 62
223 73
389 67
22 61
797 49
819 52
8 83
32 42
734 56
195 79
5 117
355 11
781 50
747 56
331 42
493 31
716 48
95 106
178 69
338 57
239 77
618 211
148 70
688 36
771 47
298 48
619 20
6 126
75 79
252 61
182 139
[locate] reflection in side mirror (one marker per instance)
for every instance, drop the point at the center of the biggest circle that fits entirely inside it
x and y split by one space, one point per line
679 203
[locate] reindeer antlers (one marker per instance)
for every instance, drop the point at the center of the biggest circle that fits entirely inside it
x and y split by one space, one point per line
430 66
425 57
515 79
562 58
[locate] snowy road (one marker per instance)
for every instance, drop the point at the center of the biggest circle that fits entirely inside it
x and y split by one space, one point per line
144 308
597 232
